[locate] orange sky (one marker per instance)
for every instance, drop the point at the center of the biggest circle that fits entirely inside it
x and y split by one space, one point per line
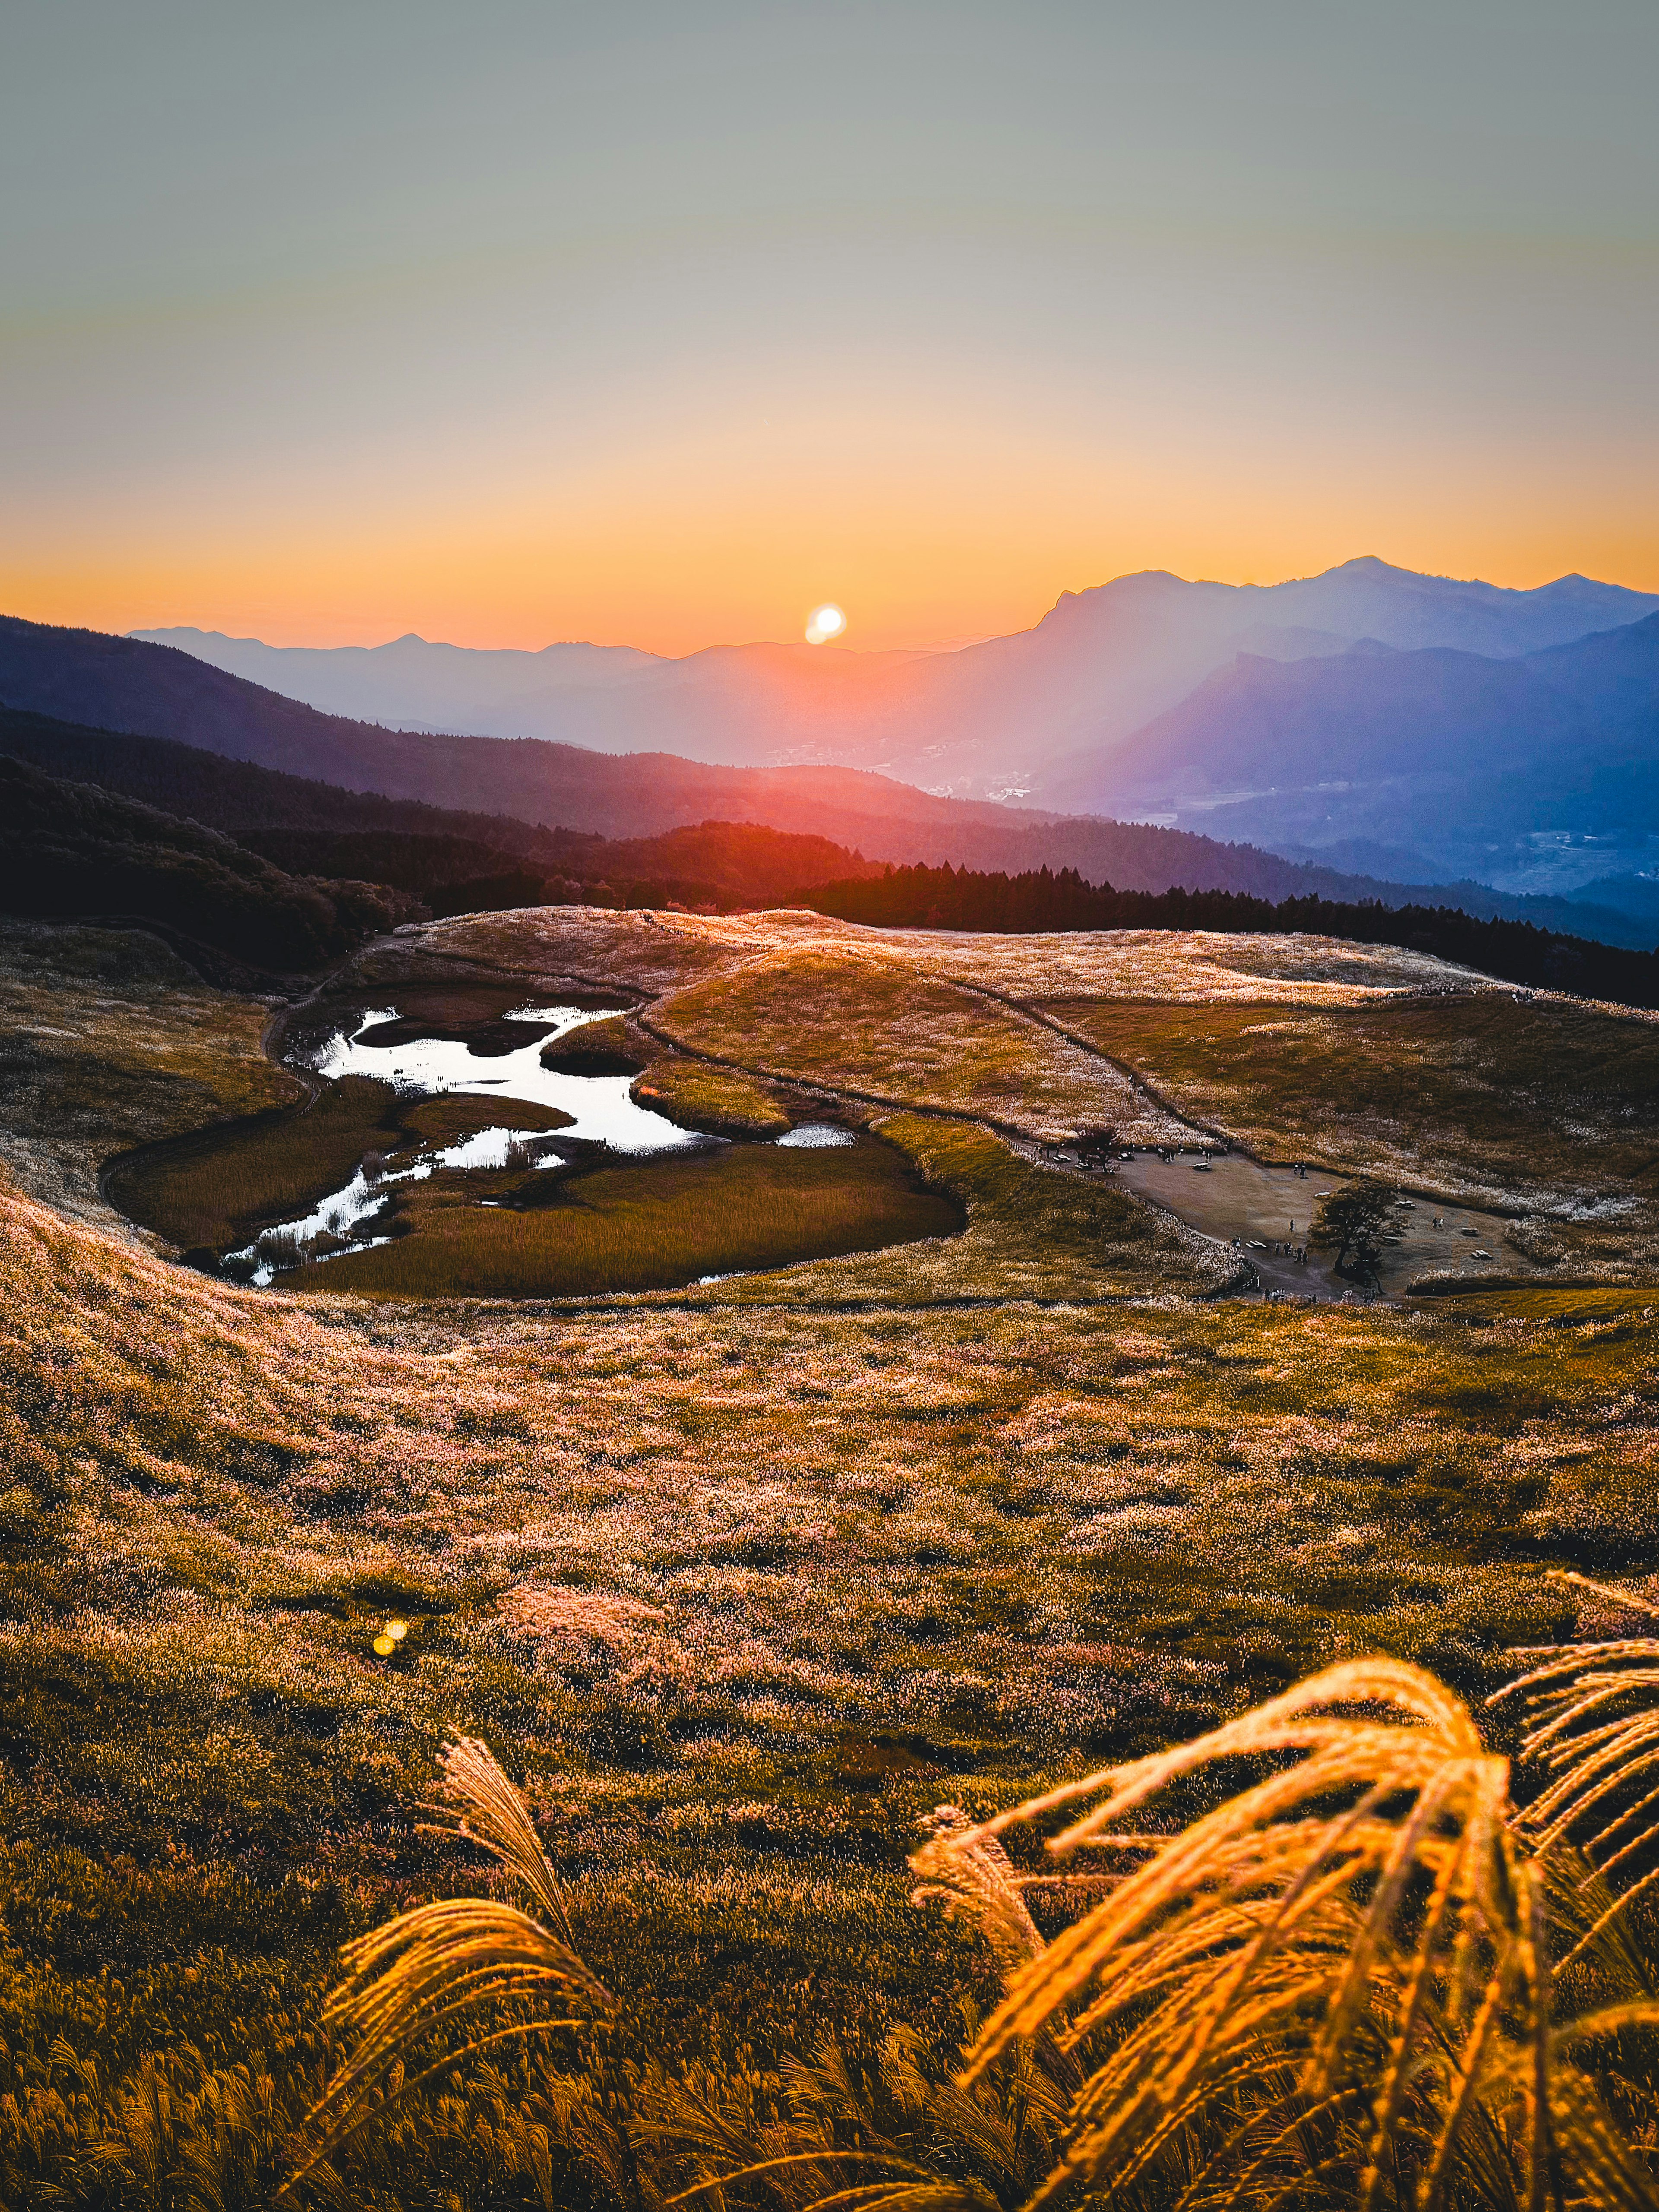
660 329
929 573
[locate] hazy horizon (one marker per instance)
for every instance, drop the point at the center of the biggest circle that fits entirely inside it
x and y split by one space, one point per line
848 643
661 328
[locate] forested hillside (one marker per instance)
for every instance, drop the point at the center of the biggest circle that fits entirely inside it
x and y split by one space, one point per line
284 871
72 848
320 829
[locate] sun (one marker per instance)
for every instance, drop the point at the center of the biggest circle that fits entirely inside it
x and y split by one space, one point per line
823 623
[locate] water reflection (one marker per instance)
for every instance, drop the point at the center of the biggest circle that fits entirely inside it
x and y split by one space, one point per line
601 1112
602 1116
815 1136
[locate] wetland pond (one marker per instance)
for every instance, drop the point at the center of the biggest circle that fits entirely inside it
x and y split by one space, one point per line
464 1145
1265 1213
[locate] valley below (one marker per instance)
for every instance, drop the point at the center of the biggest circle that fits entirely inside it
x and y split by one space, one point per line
779 1411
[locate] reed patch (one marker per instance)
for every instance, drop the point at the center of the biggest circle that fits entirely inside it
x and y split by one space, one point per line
653 1226
212 1188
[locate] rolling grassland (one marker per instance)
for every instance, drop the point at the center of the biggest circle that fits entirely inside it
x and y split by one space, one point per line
1545 1106
110 1042
739 1580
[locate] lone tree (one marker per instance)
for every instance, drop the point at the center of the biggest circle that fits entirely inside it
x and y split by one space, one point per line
1352 1220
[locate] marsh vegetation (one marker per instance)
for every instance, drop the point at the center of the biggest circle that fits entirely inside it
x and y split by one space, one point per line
633 1228
402 1151
215 1188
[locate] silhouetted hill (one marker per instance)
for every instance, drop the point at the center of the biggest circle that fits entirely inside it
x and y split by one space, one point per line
322 830
727 862
235 795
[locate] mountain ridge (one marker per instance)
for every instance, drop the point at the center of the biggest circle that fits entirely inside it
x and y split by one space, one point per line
1463 761
989 720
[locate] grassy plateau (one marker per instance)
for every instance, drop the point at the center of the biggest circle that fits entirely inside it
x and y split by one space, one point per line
739 1580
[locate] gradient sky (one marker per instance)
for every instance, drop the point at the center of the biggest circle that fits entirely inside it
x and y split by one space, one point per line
658 325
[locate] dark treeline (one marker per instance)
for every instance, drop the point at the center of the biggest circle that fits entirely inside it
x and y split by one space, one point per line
1518 952
73 850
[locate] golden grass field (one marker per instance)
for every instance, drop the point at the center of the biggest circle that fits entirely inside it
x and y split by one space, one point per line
110 1041
739 1581
698 1097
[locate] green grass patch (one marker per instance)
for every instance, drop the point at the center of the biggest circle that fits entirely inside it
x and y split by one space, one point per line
1488 1086
1065 1218
456 1114
873 1024
597 1048
655 1226
1565 1304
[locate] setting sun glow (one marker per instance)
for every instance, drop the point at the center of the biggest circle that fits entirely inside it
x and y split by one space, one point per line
823 623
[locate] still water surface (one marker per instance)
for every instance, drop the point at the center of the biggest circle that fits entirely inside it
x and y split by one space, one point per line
599 1107
600 1110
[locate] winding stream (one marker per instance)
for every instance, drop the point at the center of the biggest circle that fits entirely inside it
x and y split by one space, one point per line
600 1116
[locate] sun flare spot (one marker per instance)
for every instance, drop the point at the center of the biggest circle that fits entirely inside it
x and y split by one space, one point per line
823 623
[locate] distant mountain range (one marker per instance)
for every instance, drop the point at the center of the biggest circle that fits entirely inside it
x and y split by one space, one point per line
1370 719
1540 770
995 720
108 684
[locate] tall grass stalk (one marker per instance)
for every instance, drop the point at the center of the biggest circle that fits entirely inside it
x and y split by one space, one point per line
447 1965
1319 1956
